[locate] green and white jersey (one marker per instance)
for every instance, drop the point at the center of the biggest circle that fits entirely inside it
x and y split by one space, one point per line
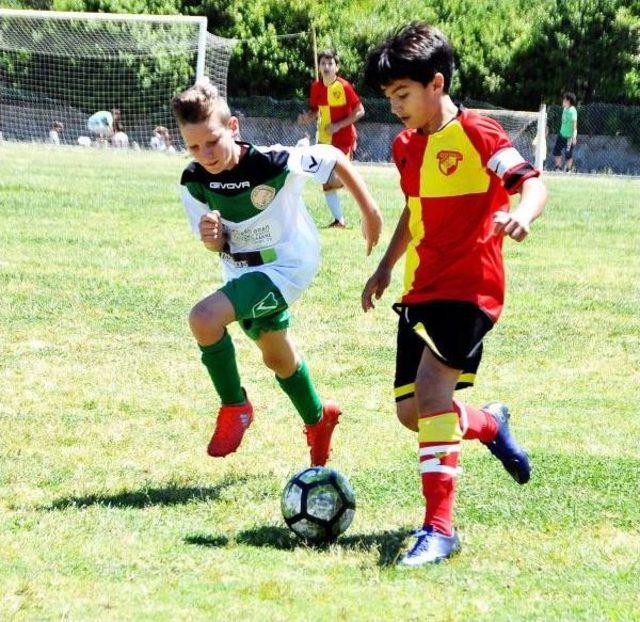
261 207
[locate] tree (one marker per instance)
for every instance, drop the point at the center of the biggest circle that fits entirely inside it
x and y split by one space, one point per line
590 47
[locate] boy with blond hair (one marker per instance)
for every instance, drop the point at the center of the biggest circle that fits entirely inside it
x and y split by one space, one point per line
245 203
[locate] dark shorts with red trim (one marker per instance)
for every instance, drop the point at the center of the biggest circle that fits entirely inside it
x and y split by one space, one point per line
453 330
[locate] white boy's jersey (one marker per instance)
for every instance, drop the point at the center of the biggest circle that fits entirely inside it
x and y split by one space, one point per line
260 202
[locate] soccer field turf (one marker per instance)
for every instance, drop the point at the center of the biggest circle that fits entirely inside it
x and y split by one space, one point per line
110 509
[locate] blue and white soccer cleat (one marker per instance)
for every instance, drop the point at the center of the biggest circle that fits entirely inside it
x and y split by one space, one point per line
504 446
431 547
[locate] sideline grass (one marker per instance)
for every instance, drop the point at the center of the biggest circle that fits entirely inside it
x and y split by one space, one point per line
110 510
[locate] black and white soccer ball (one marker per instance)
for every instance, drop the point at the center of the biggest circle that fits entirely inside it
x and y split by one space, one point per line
318 504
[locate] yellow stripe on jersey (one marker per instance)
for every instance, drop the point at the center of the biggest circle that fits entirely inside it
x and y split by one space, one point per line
451 165
416 228
324 118
444 428
336 95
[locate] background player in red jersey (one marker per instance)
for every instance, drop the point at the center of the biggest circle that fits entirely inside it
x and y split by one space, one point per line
457 169
335 104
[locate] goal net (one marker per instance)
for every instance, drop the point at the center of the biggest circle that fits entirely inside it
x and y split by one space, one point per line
58 69
526 130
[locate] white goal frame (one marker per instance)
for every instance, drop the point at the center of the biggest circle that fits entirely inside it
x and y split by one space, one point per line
195 48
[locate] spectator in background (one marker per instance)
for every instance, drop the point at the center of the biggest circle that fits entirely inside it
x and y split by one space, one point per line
100 124
161 140
54 132
335 104
119 138
568 133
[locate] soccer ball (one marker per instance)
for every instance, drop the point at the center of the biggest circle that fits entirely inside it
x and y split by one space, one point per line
318 504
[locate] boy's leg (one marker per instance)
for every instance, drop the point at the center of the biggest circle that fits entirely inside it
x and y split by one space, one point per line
293 376
333 201
439 436
208 321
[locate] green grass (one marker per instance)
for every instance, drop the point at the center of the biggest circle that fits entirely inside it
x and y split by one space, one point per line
110 509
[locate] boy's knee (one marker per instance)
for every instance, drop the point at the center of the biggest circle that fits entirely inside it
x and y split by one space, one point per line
202 319
279 363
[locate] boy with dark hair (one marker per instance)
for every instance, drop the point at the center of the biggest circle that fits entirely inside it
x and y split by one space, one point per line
457 169
245 203
335 104
568 133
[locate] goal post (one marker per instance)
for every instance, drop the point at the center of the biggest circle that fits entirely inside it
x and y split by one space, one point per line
527 131
59 68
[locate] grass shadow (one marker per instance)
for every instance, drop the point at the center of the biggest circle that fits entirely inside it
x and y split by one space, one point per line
387 543
270 536
172 494
212 541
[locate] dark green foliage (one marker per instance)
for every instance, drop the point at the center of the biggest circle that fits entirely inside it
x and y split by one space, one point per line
512 53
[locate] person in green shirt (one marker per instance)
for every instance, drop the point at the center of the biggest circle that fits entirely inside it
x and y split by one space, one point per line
568 134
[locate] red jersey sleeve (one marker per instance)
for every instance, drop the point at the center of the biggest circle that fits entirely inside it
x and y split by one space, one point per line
399 155
353 100
314 95
497 153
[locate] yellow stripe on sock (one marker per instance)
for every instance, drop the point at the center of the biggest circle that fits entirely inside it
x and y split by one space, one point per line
443 428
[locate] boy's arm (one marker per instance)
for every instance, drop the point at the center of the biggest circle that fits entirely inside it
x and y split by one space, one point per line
516 224
381 278
371 217
211 232
307 117
356 114
204 223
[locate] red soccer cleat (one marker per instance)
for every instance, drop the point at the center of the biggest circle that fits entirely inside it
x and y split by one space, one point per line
319 434
231 425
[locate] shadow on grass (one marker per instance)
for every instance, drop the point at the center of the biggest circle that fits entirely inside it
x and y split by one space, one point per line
173 494
387 543
212 541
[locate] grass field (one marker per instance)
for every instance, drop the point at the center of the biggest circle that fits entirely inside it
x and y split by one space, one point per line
110 509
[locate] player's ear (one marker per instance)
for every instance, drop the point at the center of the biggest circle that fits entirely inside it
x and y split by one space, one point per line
233 125
438 82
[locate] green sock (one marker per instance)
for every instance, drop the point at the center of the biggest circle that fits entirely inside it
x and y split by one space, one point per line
302 393
220 361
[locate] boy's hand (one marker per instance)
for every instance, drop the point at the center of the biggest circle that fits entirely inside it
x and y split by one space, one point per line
371 227
211 232
515 225
375 286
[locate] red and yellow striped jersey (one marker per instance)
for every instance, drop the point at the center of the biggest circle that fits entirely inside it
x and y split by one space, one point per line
334 103
454 181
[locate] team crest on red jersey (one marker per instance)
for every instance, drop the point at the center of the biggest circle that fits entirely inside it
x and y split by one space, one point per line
448 161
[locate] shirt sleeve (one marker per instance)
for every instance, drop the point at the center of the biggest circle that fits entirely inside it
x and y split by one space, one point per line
315 161
194 209
352 97
398 153
313 96
498 155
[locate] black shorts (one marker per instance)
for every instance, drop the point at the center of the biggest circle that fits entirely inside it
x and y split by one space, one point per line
563 147
451 329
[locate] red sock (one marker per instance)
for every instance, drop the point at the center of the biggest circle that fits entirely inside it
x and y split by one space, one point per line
439 440
479 424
